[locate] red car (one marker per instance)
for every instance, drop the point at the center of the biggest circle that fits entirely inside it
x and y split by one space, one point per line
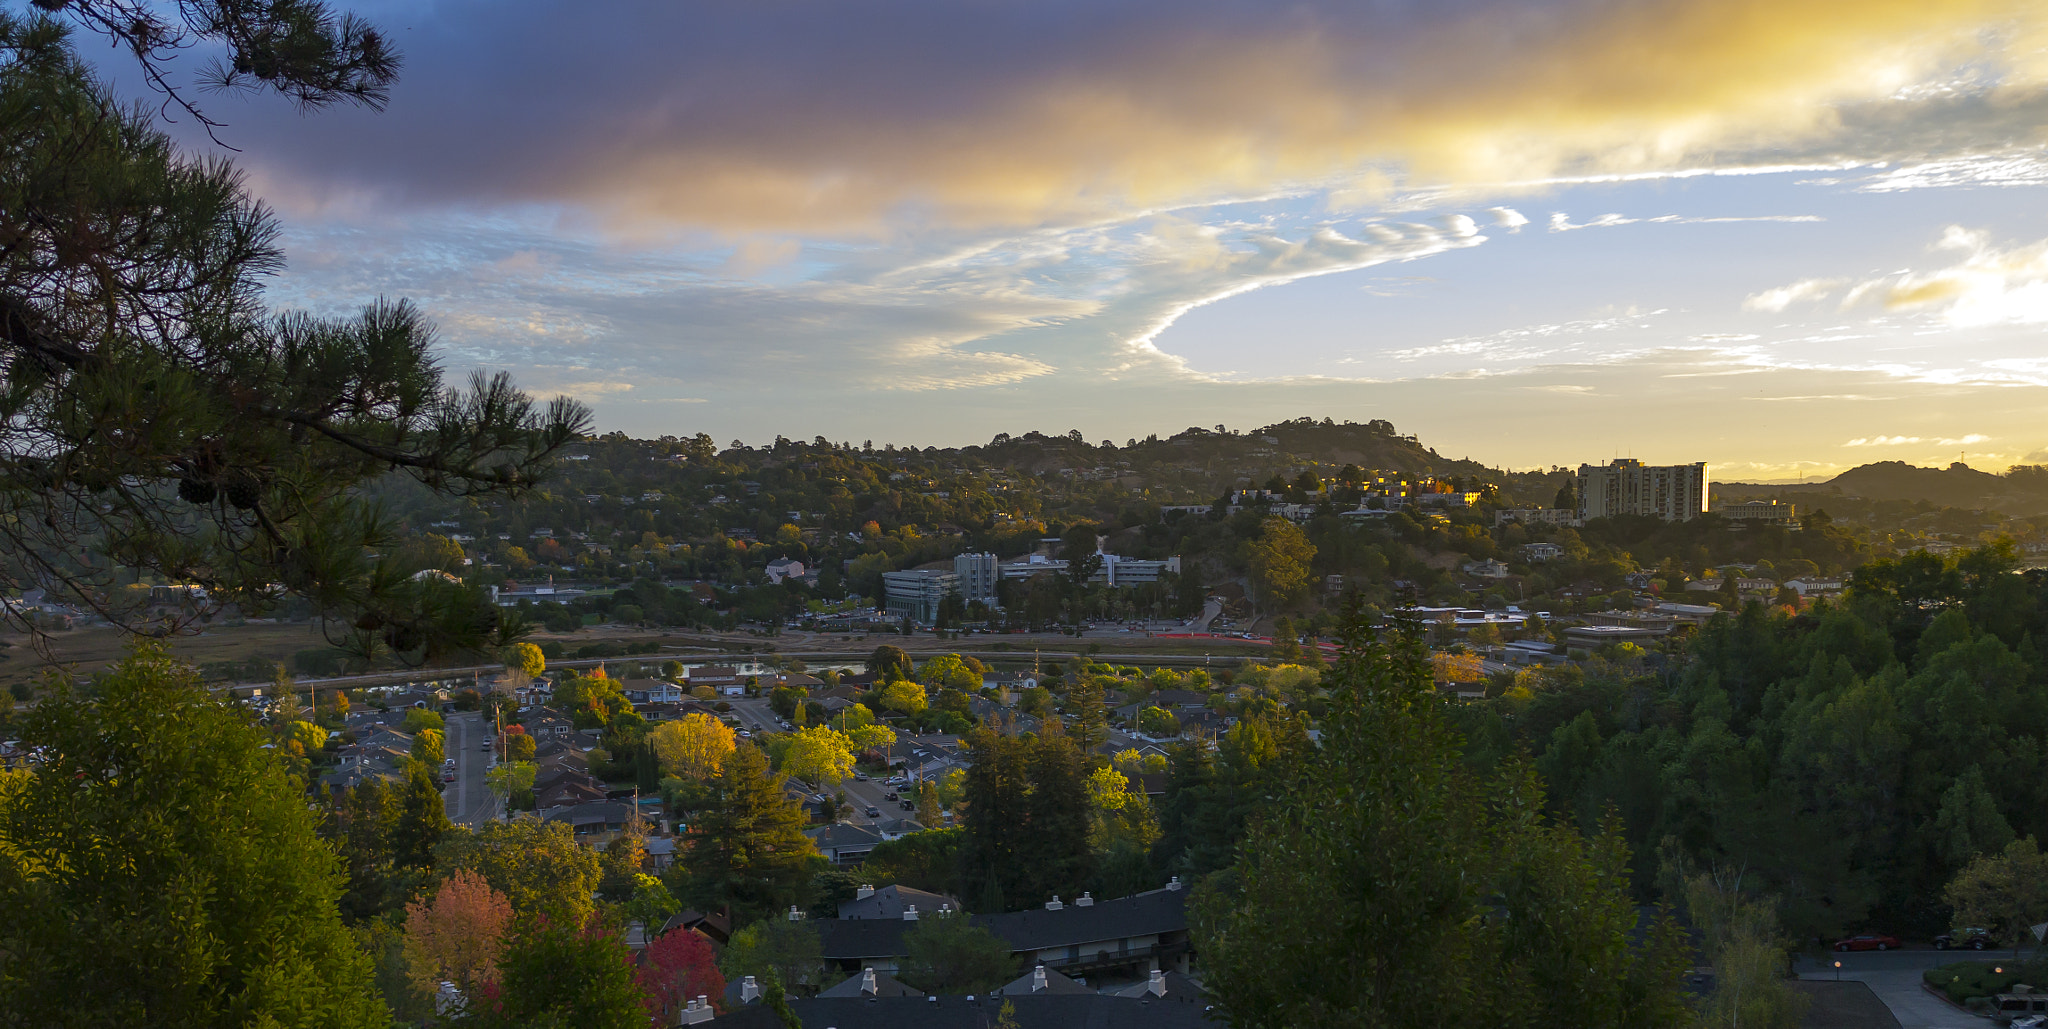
1868 941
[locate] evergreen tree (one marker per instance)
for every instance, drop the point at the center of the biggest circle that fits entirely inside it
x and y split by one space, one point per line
747 854
154 417
1057 859
997 832
1390 889
160 868
422 821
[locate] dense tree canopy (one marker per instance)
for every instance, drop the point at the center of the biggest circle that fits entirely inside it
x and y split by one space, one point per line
160 867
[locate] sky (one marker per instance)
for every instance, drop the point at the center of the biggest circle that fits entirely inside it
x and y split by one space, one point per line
1785 237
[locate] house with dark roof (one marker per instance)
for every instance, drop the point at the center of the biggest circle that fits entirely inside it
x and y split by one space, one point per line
844 844
870 983
587 819
891 902
1043 1010
1142 931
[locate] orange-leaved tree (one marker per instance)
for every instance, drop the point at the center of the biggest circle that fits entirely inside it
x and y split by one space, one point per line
456 935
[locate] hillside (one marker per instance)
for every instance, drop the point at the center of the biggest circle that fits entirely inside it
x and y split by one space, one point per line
2022 490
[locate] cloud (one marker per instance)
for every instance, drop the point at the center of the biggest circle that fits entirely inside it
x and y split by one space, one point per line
1991 286
1778 299
1899 441
1508 218
814 116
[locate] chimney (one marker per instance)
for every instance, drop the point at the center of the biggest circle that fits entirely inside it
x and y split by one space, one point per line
1175 884
1157 987
750 991
910 913
1054 904
449 1001
1086 901
695 1012
868 984
794 914
864 893
1038 981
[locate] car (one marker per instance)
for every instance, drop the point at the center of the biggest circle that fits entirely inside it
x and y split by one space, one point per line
874 812
1868 941
909 806
1972 939
860 777
891 795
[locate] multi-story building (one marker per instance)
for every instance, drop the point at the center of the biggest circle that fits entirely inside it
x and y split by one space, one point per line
1759 511
1538 516
1675 493
917 593
978 576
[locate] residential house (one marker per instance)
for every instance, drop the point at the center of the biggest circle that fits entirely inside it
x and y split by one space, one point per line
653 691
784 568
723 679
544 724
591 818
891 902
1541 552
844 844
1145 930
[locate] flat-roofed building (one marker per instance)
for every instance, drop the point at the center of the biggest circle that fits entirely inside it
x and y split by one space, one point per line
1675 493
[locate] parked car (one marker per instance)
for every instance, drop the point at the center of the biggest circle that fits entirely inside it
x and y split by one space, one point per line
891 795
860 777
874 812
1868 941
1973 939
909 805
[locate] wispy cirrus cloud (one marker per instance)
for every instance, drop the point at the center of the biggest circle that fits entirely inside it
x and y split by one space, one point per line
1900 441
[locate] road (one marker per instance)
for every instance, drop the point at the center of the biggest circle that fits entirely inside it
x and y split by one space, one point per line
469 801
1895 977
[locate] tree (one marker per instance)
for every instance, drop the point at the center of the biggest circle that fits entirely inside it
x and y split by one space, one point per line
819 755
1279 561
2006 892
903 697
747 853
889 662
776 950
1740 937
619 865
948 953
456 935
526 658
677 968
949 671
557 975
519 747
692 747
928 860
418 718
538 866
428 748
511 779
161 854
1158 721
1026 831
170 424
1441 897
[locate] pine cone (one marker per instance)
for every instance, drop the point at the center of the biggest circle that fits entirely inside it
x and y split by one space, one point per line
196 491
245 492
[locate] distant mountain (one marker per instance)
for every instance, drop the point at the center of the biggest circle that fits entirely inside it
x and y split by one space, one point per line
2022 490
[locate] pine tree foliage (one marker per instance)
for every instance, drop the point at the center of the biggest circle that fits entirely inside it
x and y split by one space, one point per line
155 417
747 853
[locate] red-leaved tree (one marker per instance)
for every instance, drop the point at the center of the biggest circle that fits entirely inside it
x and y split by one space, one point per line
678 967
456 936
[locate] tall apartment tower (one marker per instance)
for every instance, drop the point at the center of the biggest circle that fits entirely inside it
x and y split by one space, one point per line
1675 493
978 574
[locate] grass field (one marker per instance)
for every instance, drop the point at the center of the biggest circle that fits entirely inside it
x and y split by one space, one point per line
84 651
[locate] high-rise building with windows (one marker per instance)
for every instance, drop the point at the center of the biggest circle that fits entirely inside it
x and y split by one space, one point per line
978 574
1675 493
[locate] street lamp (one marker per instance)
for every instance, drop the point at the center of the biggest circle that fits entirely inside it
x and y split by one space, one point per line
1838 971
